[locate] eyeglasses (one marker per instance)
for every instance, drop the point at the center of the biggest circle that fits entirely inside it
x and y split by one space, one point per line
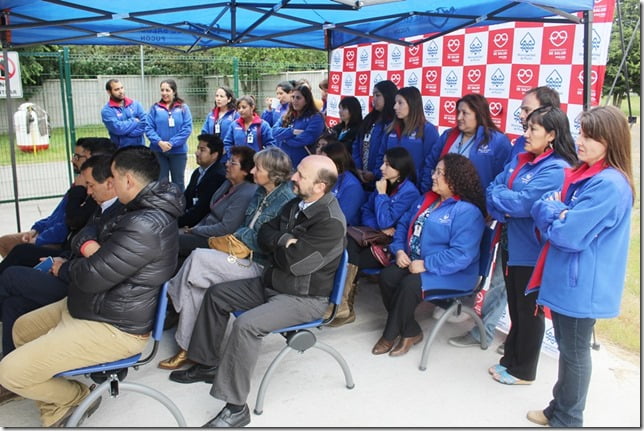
76 157
232 162
438 172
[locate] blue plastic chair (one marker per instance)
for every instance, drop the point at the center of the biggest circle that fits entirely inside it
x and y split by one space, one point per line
110 375
489 242
299 338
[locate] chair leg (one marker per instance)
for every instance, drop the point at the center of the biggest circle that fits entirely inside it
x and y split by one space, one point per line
73 420
432 335
340 360
263 386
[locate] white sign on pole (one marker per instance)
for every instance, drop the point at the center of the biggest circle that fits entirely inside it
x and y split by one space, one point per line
14 76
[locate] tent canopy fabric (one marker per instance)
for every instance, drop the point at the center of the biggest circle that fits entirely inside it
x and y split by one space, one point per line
315 24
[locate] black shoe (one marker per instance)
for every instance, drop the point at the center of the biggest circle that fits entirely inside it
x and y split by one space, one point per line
196 373
228 419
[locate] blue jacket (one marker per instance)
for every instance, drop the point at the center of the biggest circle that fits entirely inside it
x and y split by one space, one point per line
295 146
377 138
450 243
224 123
125 124
512 205
237 135
53 229
270 209
382 211
350 195
158 127
273 116
585 267
420 151
488 160
518 147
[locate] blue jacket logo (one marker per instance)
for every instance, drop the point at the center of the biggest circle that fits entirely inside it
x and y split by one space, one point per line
527 178
444 219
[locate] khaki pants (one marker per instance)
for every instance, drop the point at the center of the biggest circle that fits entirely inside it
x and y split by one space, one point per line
48 341
9 241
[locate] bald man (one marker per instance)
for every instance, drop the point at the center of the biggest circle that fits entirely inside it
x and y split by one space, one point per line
305 243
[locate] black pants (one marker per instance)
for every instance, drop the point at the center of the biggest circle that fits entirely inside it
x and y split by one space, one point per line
401 293
28 255
22 290
523 343
361 256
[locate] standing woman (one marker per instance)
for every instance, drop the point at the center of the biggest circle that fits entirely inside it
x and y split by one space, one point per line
366 151
476 137
411 130
168 128
248 129
350 120
222 115
582 267
272 114
549 150
301 125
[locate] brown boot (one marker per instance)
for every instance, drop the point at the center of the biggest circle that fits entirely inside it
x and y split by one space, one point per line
345 313
175 362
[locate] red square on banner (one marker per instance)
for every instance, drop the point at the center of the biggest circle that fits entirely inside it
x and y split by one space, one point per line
603 11
363 81
431 81
447 112
558 44
397 77
414 57
332 121
523 78
500 43
497 110
335 82
350 59
453 49
577 84
473 79
379 56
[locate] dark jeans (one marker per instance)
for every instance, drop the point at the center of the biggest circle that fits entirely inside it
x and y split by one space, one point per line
575 367
173 165
28 255
361 256
22 290
401 293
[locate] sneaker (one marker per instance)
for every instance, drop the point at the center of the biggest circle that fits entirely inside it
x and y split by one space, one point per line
464 341
537 417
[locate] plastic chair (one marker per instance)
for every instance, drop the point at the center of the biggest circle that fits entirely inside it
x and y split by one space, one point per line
489 242
300 339
110 375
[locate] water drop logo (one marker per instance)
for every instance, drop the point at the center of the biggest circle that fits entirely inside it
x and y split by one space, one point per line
451 79
431 49
337 58
363 107
596 40
333 103
554 80
348 83
364 57
577 122
377 78
527 43
412 81
516 115
395 55
429 108
476 46
497 78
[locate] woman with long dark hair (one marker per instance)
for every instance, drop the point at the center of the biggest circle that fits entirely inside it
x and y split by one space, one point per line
218 120
350 120
278 108
248 130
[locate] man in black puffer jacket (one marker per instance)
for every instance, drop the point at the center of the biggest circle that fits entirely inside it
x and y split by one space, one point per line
112 295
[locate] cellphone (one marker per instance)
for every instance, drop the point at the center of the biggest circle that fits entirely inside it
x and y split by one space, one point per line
45 265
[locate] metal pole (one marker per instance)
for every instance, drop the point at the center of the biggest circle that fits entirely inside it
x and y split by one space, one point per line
236 76
626 76
144 94
68 94
12 132
588 55
68 146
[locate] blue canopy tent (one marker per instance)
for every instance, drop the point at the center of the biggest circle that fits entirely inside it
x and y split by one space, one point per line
191 25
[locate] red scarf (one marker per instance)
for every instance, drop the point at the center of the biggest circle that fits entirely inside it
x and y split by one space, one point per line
255 120
571 176
451 138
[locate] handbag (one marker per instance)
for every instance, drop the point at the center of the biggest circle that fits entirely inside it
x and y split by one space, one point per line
235 248
366 236
382 254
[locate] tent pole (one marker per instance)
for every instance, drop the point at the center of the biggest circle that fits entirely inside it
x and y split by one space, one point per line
626 76
588 55
144 92
12 132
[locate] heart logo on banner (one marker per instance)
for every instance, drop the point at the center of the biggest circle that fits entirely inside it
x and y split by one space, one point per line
395 78
593 77
453 45
496 108
413 50
350 55
333 123
362 78
558 38
500 39
524 75
474 75
431 75
335 79
450 106
379 51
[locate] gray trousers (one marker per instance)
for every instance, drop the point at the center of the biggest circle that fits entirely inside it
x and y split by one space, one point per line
268 310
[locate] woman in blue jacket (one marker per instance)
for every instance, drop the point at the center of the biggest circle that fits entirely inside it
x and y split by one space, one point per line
300 126
476 137
218 121
411 130
350 119
366 149
248 129
582 268
549 149
272 114
168 128
436 245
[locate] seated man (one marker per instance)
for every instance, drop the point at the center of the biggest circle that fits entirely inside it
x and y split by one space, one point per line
23 288
305 243
50 236
205 180
112 295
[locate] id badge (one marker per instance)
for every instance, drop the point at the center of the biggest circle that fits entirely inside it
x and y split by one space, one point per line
217 129
249 138
367 138
170 122
195 201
